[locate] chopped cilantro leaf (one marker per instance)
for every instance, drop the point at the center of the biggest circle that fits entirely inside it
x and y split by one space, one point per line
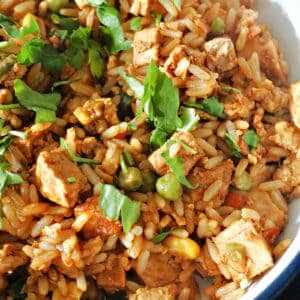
135 23
71 179
111 28
45 105
115 204
163 235
189 119
66 23
96 62
74 157
8 178
233 145
251 138
133 83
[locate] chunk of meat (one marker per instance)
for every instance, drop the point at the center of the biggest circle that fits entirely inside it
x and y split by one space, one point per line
206 266
38 137
52 172
260 173
238 106
98 223
295 103
205 178
97 114
272 99
268 211
160 270
287 136
165 293
251 248
113 277
221 56
177 63
289 173
270 57
146 46
158 162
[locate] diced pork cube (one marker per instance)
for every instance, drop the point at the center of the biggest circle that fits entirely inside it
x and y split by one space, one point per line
221 56
146 46
52 172
238 106
165 293
158 162
204 178
295 103
289 173
113 277
270 57
98 223
97 114
160 270
271 216
240 242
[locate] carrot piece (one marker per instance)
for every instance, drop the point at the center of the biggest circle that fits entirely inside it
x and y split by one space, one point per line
236 200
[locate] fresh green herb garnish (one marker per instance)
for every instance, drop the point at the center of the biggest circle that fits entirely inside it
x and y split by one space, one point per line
71 179
163 235
135 23
211 106
111 27
17 133
66 23
13 29
45 105
10 106
62 82
188 149
96 62
233 145
161 103
251 138
157 18
74 157
128 158
7 178
133 83
116 204
217 26
177 3
189 119
4 143
177 166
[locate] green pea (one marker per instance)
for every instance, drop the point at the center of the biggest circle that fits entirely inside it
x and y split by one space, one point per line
243 182
131 180
169 187
149 180
56 5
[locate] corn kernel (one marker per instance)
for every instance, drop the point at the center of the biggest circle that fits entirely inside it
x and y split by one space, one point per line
184 247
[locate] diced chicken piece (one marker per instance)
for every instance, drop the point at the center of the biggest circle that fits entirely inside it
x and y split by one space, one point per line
272 99
260 173
97 114
270 215
177 63
158 162
238 106
242 248
52 172
287 136
205 178
289 173
146 46
11 257
207 267
160 270
113 277
270 57
221 56
98 223
164 293
38 137
140 7
295 103
81 3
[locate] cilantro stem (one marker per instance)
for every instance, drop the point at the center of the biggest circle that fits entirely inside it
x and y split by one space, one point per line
128 157
124 168
10 106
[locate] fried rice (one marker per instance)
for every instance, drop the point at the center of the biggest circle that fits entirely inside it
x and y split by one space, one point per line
144 145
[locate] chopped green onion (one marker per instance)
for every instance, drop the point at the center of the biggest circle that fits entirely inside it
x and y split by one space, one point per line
217 26
233 145
163 235
251 138
71 179
135 24
20 134
10 106
243 182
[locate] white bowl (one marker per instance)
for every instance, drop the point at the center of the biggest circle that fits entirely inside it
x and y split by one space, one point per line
283 19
